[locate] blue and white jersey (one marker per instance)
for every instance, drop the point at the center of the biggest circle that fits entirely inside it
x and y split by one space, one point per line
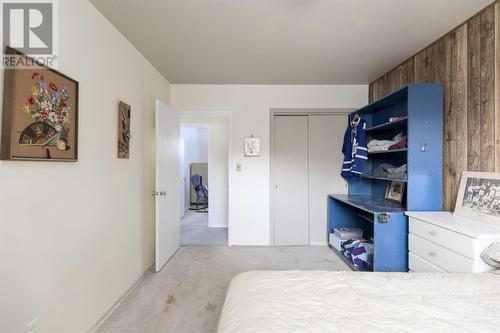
355 151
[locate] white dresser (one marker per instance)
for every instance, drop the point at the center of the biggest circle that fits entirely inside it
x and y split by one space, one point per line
444 242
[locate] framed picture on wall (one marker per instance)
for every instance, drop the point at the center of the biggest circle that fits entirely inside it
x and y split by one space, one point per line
40 114
479 196
252 147
395 191
123 130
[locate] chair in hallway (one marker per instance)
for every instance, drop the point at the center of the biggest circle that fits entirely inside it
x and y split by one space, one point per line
201 194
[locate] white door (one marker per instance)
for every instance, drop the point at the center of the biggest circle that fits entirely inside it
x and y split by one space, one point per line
290 206
325 162
167 183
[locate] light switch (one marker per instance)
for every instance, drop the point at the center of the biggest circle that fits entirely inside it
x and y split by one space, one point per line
238 167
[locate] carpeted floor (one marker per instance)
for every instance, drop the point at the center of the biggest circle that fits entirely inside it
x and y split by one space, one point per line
195 231
188 294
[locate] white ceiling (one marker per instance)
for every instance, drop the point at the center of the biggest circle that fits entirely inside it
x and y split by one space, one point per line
282 41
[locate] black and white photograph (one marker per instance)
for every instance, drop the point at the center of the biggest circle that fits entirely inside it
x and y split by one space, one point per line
483 195
479 196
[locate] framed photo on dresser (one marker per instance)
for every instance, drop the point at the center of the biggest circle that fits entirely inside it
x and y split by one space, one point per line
479 196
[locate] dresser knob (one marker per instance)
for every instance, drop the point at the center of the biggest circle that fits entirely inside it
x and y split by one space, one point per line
433 254
433 232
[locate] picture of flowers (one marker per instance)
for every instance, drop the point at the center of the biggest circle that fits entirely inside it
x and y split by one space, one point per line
40 115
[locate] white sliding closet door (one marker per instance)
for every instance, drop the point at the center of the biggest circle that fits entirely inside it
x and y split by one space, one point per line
325 162
290 163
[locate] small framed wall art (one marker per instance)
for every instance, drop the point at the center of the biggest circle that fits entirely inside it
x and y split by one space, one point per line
40 114
123 130
252 147
479 196
395 191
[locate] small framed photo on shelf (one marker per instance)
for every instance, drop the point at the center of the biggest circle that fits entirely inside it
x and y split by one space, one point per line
395 191
252 147
479 196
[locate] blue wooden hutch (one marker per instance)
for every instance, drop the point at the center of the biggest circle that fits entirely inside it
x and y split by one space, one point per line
421 106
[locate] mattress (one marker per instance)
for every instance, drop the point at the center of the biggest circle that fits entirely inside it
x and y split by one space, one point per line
315 301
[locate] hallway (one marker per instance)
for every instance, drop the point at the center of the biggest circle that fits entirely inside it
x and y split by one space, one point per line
195 231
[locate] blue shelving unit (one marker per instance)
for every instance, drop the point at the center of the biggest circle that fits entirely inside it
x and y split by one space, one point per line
365 207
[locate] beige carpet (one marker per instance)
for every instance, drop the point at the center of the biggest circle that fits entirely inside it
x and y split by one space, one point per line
188 294
195 231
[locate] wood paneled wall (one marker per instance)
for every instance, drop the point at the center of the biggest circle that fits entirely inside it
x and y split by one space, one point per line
467 62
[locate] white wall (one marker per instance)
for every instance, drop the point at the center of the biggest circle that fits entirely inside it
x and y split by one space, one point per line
249 106
75 236
218 164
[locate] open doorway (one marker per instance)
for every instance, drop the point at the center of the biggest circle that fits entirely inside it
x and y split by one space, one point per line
204 177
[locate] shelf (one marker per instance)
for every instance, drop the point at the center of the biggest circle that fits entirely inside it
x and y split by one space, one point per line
365 217
389 125
350 264
384 178
388 151
369 203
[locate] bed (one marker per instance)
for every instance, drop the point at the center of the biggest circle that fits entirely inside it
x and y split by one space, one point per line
317 301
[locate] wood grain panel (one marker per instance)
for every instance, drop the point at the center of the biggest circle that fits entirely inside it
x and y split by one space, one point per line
447 67
458 159
474 94
467 62
426 65
487 98
497 88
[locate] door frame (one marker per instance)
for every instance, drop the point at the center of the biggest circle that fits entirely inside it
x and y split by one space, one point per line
229 117
209 151
292 112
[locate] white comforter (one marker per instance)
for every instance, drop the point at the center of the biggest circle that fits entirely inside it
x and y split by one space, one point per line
348 302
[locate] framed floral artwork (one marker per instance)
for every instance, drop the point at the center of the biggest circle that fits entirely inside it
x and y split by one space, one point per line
252 147
40 114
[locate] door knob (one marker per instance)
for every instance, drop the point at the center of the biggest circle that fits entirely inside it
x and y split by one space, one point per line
154 193
163 193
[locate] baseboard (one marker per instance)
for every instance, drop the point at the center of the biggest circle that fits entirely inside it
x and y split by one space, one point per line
318 243
217 226
96 326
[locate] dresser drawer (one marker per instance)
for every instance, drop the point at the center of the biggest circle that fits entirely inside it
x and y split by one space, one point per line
454 241
419 265
446 259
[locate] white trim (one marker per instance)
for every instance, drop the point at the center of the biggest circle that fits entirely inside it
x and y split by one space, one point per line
362 148
108 313
318 244
362 157
216 226
229 116
356 172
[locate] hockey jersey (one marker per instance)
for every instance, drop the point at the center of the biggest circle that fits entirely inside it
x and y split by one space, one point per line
355 151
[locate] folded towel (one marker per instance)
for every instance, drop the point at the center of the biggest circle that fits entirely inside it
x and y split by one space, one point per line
382 170
382 145
399 145
400 169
